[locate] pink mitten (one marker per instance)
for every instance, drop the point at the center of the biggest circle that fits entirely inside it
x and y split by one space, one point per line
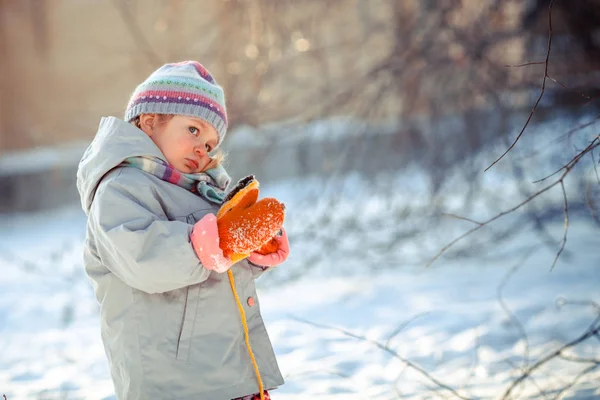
276 258
205 241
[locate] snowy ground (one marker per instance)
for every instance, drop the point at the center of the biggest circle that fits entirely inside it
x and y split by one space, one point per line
356 268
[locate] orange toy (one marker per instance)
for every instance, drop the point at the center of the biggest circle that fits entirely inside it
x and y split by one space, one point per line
270 247
245 224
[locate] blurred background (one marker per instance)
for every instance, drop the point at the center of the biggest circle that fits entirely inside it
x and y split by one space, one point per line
375 122
431 76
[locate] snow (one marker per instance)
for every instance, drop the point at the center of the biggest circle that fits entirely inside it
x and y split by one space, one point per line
354 282
41 158
451 319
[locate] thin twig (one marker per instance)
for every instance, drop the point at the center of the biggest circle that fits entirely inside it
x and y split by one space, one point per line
590 203
593 144
497 216
579 359
570 132
533 380
575 380
592 303
593 330
566 211
594 164
476 360
568 88
462 218
525 64
541 92
507 310
567 168
549 176
402 326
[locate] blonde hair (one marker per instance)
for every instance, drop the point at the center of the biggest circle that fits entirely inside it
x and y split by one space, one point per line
215 160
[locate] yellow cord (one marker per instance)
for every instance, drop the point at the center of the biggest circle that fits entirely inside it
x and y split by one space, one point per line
246 334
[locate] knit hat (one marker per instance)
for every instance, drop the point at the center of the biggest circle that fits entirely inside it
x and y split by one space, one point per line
184 88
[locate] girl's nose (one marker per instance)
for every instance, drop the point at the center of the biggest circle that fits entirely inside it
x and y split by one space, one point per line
200 150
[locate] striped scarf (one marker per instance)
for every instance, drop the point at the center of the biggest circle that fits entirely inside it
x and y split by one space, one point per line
210 184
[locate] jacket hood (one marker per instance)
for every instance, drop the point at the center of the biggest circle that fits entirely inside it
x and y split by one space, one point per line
115 141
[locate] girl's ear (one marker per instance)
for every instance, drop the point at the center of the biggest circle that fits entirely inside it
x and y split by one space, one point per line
147 122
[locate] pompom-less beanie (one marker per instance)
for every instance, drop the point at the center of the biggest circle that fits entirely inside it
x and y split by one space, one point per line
184 88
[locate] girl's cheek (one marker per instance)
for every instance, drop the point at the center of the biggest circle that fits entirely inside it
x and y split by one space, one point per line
187 142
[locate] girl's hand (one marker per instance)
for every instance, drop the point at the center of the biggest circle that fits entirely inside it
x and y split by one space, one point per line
276 258
205 241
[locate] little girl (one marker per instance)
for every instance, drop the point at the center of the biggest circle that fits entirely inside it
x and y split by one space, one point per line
151 186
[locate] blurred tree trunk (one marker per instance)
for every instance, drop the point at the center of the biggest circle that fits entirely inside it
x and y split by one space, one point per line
11 135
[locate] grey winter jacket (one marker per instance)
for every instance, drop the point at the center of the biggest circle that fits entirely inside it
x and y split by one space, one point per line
171 329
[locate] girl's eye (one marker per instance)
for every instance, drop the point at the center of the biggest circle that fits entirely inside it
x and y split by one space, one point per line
208 147
193 130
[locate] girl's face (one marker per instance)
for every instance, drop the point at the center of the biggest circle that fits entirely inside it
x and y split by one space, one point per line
184 141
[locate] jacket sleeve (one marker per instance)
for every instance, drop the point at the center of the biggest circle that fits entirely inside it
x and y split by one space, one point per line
257 270
137 242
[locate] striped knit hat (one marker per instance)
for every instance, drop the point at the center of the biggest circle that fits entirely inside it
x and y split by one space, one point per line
184 88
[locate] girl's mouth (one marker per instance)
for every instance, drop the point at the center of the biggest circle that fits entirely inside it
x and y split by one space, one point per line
192 164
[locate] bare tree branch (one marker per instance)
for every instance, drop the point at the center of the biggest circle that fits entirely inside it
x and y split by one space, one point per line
381 346
576 380
593 144
541 92
570 132
507 310
567 168
593 330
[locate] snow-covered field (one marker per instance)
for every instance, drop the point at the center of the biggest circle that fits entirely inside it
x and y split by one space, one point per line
353 314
